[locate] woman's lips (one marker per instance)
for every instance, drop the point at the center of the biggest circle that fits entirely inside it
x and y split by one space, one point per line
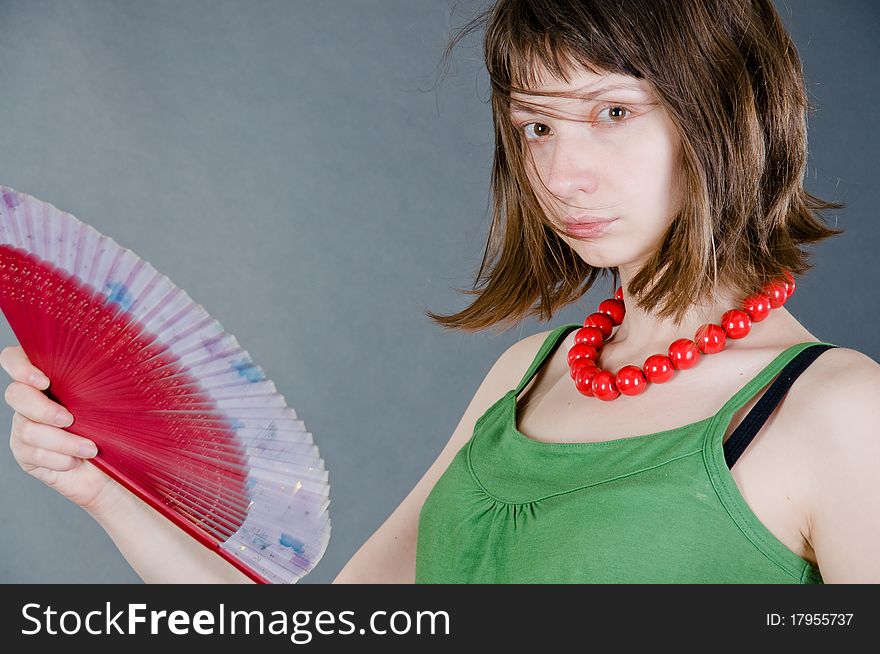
587 229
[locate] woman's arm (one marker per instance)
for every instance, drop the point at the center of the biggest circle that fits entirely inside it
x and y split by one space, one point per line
158 550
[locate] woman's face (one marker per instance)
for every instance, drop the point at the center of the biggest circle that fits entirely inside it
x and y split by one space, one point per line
613 156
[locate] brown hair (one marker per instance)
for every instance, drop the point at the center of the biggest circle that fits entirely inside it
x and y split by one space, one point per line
731 81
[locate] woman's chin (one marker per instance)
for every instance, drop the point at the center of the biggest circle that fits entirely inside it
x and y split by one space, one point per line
597 256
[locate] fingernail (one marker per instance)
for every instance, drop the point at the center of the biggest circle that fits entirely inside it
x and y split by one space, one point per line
87 451
39 380
63 419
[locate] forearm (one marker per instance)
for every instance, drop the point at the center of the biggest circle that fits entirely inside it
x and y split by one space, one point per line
159 551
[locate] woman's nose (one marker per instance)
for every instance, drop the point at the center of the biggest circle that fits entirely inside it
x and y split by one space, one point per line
572 168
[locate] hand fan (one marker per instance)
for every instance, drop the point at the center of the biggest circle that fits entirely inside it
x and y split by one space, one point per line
180 413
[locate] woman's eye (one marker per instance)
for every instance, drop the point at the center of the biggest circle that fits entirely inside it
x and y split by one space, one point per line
614 113
535 131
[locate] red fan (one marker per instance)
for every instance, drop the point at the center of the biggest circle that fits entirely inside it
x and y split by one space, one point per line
180 413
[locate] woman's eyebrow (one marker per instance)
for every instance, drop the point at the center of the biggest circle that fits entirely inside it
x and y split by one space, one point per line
515 103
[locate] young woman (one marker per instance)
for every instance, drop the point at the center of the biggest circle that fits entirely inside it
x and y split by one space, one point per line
664 144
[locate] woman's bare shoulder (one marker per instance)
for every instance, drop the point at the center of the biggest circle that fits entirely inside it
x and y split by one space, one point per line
842 378
519 356
840 387
842 359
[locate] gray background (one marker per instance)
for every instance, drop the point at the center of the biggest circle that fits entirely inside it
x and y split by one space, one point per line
302 170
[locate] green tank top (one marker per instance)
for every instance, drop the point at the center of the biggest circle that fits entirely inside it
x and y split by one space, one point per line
655 508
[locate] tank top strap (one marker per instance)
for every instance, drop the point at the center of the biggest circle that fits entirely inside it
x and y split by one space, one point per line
554 338
771 370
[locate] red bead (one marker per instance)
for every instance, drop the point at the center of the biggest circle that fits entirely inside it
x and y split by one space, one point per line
684 353
583 379
790 281
630 380
614 309
581 351
603 386
710 338
601 321
580 363
618 294
778 294
658 369
736 323
590 336
757 306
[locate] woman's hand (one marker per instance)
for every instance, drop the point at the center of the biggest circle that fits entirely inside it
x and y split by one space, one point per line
40 445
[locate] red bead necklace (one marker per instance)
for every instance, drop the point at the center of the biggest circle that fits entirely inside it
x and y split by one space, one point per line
682 354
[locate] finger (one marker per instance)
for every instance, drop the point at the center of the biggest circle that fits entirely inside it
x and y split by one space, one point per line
17 365
36 406
52 438
30 457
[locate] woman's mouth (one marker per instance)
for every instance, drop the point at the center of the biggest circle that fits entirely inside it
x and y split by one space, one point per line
587 229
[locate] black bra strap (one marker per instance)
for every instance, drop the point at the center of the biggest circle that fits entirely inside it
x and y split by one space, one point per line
741 437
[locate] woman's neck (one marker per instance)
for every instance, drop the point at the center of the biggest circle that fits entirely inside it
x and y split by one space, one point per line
642 334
